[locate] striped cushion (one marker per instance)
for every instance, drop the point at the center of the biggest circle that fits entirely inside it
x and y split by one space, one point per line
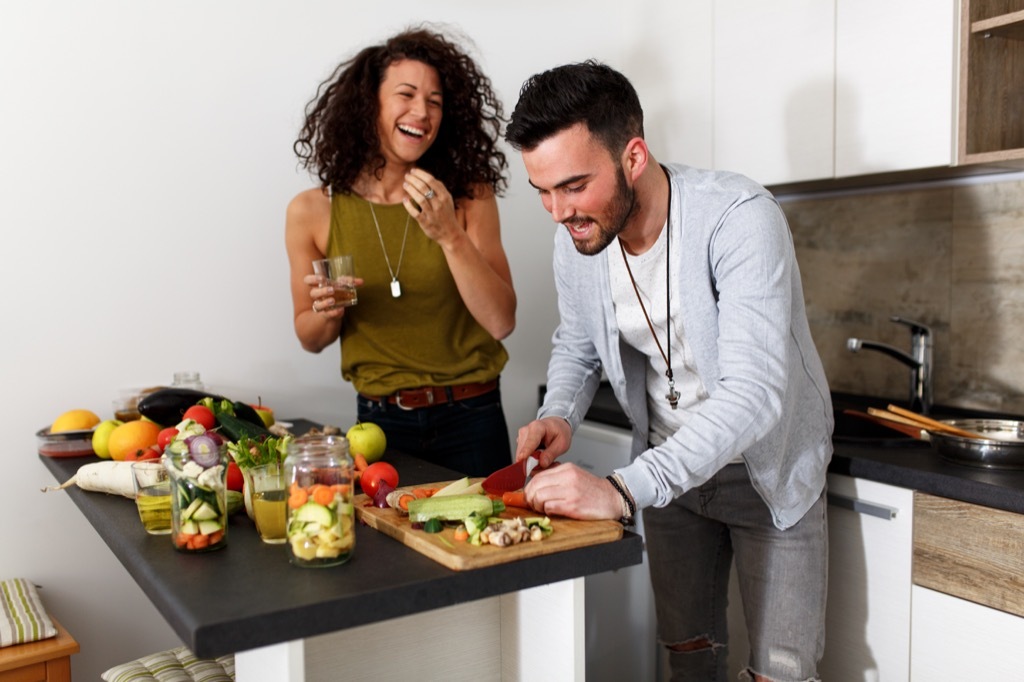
174 665
22 616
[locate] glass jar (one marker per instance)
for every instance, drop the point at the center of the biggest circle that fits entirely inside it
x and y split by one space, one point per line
321 518
199 510
187 380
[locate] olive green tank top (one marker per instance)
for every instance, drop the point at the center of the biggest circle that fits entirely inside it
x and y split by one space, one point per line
426 336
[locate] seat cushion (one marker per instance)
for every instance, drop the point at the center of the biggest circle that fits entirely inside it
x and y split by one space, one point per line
22 616
174 665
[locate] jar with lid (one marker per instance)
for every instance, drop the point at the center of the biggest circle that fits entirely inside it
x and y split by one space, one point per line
321 517
199 512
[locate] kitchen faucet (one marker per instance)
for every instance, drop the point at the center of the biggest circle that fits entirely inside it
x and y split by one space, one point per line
919 360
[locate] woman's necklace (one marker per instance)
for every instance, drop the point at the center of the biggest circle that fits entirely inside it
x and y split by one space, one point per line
396 288
672 396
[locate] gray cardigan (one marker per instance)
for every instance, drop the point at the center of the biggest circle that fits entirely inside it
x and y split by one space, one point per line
743 311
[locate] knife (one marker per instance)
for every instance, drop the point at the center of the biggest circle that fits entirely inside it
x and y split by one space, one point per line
512 477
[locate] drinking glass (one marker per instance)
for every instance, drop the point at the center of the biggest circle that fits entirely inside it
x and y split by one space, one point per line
269 499
338 273
153 496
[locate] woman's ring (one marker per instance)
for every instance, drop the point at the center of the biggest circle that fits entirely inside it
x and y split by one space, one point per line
429 194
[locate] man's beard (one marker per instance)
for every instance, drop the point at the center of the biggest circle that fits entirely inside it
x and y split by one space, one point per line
620 209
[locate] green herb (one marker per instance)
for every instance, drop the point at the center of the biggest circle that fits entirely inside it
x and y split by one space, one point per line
249 453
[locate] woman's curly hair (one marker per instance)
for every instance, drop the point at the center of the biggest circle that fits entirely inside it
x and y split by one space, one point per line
339 139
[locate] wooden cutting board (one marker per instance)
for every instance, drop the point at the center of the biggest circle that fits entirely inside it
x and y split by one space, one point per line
462 556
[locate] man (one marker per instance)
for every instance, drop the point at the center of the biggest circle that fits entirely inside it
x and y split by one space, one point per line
681 285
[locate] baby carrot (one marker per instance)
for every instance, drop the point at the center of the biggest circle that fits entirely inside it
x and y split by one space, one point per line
461 534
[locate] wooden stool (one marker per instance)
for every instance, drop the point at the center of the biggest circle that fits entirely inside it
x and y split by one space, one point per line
46 660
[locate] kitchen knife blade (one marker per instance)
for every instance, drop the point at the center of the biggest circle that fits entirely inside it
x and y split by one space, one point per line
512 477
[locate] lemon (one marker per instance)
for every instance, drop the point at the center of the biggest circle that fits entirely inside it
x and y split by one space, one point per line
101 437
74 420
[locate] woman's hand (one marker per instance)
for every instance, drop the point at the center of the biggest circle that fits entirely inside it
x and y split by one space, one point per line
431 205
322 294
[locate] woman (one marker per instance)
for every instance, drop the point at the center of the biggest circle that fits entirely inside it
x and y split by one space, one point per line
403 140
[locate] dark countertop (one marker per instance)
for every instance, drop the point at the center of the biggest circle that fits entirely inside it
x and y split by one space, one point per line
248 595
896 460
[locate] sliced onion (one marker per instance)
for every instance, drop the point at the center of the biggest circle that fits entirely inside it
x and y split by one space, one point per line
380 498
204 450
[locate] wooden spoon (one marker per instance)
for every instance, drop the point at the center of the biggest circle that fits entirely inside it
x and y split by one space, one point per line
933 425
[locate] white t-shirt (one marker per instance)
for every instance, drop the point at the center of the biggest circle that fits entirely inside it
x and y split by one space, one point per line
649 272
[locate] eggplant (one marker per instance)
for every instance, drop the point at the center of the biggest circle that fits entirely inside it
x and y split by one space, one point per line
167 405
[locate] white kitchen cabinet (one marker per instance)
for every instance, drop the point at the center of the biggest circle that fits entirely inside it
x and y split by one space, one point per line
774 88
869 584
955 639
819 89
896 72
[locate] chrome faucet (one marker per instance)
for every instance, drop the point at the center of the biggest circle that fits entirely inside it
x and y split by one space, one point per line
919 360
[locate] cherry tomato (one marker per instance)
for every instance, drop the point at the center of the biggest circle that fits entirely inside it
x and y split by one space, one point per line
201 414
234 480
374 474
166 436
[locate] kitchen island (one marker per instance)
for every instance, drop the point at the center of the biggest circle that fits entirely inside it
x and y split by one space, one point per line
519 620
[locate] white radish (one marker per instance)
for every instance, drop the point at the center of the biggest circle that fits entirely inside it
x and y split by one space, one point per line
114 478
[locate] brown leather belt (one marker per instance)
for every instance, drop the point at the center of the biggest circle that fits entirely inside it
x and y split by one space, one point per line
429 396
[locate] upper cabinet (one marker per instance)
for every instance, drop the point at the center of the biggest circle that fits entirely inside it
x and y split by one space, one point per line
895 85
774 85
819 89
991 81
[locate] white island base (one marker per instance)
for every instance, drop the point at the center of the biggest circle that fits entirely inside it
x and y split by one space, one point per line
533 634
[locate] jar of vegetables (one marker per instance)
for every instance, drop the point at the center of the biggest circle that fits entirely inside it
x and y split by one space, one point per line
320 515
197 465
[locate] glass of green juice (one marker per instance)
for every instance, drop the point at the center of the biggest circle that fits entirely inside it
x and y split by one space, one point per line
153 496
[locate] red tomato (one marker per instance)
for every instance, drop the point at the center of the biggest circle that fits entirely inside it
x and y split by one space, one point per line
374 474
201 414
166 436
234 480
152 452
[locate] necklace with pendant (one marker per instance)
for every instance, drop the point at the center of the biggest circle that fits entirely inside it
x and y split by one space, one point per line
672 396
396 288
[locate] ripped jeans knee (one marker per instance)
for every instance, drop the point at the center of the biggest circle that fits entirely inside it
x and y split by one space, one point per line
694 645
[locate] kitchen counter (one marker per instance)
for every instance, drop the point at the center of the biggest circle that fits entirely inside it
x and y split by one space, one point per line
899 462
248 595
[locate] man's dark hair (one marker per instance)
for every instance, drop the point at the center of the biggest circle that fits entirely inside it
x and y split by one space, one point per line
339 138
590 93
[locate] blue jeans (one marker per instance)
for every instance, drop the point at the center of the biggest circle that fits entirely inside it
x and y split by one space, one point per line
782 580
469 436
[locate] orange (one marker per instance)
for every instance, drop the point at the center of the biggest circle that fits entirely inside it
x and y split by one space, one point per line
130 437
74 420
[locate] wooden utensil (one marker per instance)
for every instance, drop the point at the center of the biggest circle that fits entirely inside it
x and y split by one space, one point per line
906 429
933 425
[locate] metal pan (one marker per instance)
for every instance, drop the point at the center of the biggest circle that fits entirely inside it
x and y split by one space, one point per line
1001 448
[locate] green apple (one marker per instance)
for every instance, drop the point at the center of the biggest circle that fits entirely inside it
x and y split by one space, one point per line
101 436
367 439
265 413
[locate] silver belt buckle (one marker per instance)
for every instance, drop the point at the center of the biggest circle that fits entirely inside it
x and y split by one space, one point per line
398 401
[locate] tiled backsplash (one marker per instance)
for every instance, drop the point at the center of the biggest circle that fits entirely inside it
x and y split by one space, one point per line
950 256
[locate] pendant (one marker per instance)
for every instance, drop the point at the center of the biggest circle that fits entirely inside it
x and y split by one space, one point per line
396 288
672 396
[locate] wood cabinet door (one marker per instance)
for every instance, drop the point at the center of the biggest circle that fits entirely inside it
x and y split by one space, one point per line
896 71
774 89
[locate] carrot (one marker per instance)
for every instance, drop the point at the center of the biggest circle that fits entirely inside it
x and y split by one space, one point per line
515 498
297 498
322 494
405 499
461 534
199 541
421 493
360 461
216 537
340 488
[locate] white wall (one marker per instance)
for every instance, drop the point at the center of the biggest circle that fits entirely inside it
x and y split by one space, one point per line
145 164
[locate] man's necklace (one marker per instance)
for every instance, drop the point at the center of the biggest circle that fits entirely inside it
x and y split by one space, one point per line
672 396
396 288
